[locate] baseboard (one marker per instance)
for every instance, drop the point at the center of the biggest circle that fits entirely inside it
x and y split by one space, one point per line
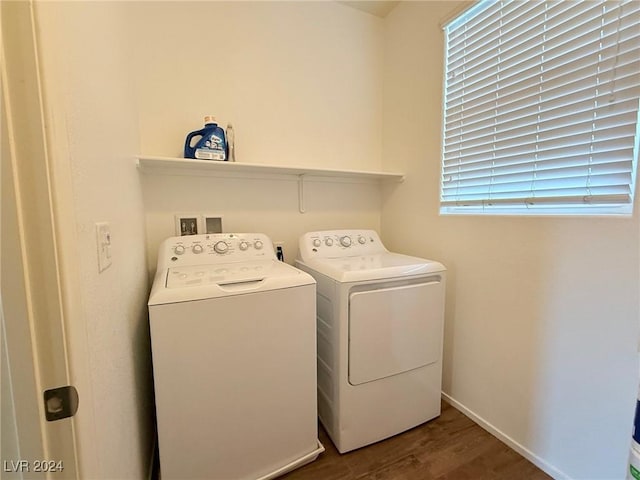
526 453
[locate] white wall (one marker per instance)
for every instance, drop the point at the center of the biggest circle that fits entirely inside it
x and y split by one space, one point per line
91 117
542 313
258 205
300 81
302 84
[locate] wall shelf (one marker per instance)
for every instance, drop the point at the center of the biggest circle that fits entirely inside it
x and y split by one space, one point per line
186 166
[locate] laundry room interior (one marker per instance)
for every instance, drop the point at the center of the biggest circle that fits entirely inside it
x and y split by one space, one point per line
541 313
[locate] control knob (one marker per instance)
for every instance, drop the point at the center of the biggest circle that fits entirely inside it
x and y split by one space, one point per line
345 241
243 245
316 242
221 247
328 242
258 244
197 248
178 249
361 240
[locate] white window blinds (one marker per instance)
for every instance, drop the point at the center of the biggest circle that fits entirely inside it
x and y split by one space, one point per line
541 107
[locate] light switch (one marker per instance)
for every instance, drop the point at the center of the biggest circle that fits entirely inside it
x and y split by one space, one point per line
103 239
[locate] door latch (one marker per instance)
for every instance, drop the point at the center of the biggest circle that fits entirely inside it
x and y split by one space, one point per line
61 402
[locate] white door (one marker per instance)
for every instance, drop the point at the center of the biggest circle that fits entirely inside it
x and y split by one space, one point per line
33 339
394 329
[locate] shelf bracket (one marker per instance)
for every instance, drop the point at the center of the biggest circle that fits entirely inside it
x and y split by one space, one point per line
301 193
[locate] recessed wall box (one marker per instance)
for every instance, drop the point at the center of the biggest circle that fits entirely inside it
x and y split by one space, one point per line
187 224
212 223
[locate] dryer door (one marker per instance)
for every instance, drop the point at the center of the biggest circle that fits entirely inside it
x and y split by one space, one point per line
395 329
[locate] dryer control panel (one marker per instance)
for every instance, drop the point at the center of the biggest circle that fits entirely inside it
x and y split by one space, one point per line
214 248
340 243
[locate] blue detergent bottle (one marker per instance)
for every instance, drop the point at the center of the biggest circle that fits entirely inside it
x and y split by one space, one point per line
211 145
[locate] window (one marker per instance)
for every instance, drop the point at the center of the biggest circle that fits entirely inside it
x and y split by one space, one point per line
541 108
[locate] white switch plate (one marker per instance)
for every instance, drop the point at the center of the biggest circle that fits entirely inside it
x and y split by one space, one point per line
103 240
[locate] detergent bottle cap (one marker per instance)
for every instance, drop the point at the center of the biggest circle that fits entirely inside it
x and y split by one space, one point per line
209 119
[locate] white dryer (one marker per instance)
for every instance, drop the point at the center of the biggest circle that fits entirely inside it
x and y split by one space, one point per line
380 319
233 343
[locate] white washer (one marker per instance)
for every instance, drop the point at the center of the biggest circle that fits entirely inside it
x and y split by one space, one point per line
380 319
233 342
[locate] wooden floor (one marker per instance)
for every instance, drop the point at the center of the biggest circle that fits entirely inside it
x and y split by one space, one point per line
451 447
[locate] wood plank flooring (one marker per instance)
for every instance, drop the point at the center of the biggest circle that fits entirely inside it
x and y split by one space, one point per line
451 447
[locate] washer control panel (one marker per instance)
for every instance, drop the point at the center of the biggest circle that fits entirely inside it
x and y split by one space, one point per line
215 248
339 243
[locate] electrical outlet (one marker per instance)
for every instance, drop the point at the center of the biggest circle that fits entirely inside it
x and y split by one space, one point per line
279 248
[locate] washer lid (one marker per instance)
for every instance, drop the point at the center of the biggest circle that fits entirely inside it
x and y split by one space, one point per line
198 282
373 267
